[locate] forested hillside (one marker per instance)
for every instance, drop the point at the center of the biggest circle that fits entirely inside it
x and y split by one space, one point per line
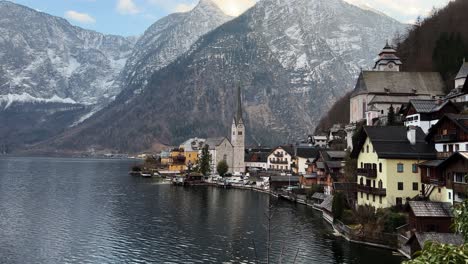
437 43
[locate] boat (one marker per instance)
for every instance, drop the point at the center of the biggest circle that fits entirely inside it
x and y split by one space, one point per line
135 173
146 174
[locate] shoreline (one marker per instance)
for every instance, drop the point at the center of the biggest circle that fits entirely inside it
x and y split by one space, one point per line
313 206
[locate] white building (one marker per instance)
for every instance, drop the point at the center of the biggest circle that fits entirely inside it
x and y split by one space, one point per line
426 113
280 158
220 149
321 141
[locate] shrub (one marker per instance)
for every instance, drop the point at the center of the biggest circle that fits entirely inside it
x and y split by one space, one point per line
338 206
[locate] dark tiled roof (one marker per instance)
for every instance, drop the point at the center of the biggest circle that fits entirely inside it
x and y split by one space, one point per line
463 73
443 238
379 82
336 154
391 142
427 106
288 148
214 142
431 209
284 178
334 164
431 163
307 152
256 157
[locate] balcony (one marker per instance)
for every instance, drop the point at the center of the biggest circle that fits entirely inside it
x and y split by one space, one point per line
433 181
450 137
444 155
371 190
277 161
279 155
371 173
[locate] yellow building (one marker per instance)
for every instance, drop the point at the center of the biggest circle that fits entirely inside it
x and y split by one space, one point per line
387 161
191 149
177 160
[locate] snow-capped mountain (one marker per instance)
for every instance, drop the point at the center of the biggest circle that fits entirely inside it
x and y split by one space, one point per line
44 57
167 39
293 59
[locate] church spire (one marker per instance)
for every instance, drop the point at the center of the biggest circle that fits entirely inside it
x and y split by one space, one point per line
238 118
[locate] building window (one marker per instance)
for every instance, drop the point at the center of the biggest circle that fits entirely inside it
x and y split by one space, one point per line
380 167
457 147
449 195
380 184
400 168
373 184
233 133
400 186
373 198
367 195
380 199
362 195
399 201
466 147
428 172
240 133
459 177
415 186
415 168
361 181
450 148
362 165
445 148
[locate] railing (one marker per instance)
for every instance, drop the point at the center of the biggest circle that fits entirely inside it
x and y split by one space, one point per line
371 190
372 173
452 136
444 155
279 155
278 161
433 181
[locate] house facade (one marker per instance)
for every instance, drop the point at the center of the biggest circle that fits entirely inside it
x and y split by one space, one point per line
388 158
280 158
426 113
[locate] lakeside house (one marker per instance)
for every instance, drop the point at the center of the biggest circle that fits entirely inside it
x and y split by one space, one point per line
325 169
302 155
192 148
177 160
388 159
428 216
280 158
256 159
418 239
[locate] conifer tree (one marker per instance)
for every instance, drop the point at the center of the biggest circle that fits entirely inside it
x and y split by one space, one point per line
203 164
391 116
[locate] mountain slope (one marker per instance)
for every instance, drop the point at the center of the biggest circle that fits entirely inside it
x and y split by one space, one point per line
293 58
45 56
166 40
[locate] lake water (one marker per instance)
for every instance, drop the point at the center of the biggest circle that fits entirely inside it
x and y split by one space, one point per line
92 211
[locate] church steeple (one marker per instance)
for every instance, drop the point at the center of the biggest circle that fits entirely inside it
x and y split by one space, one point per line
388 60
238 119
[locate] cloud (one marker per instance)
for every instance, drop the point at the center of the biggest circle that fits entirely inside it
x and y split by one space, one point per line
127 7
80 17
230 7
180 8
404 10
234 7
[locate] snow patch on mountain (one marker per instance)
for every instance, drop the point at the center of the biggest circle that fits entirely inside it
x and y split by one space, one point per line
8 99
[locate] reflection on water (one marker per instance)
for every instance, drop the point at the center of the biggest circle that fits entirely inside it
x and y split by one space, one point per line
91 211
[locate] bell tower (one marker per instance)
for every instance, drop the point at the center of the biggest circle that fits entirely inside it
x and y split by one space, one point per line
238 137
388 60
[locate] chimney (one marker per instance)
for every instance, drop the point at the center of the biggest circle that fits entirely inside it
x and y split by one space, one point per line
411 134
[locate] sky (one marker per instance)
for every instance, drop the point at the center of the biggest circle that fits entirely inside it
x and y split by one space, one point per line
133 17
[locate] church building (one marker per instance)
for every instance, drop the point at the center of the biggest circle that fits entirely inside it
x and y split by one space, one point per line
387 86
238 138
